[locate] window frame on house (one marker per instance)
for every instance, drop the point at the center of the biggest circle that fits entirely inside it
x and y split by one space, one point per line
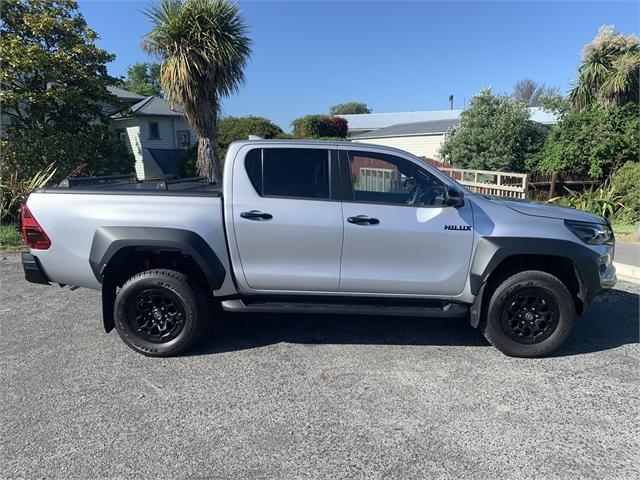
188 137
157 127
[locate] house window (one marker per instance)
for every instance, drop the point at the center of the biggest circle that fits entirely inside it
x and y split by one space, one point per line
122 135
184 139
154 131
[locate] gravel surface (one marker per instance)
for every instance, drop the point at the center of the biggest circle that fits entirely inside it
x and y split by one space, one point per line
269 397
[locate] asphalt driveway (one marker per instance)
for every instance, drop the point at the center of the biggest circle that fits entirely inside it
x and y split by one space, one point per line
312 397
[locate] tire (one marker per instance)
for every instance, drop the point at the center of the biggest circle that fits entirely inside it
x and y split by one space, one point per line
160 313
529 314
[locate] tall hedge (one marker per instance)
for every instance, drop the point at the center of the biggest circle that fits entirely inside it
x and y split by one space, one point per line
320 126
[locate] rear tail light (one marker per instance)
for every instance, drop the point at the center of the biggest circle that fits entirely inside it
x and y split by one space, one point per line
32 233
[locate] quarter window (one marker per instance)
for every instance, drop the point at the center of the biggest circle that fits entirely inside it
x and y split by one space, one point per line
289 172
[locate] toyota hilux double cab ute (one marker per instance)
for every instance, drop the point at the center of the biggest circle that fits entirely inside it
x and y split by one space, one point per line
317 227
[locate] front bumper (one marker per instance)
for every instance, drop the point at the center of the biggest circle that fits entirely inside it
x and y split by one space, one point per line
596 274
33 270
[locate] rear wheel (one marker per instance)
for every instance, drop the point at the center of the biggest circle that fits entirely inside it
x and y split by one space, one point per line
529 314
160 313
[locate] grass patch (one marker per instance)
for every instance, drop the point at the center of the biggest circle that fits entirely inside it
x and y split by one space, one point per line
11 239
623 231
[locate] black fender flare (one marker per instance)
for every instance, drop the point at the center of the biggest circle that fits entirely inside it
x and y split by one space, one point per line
491 251
108 241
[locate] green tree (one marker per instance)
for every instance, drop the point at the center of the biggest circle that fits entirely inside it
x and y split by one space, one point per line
231 129
53 88
531 92
594 141
609 73
320 126
204 47
495 133
143 79
349 108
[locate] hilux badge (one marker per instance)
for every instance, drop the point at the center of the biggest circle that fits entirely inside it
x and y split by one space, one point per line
462 228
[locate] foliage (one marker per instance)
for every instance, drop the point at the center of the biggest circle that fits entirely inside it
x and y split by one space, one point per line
204 47
556 104
10 236
15 191
231 129
53 88
593 141
603 201
187 165
494 134
531 92
318 126
349 108
143 79
609 73
626 181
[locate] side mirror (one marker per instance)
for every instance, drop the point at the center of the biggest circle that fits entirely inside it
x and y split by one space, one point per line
455 198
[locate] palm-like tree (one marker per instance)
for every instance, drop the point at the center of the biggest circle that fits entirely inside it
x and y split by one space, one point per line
204 47
609 70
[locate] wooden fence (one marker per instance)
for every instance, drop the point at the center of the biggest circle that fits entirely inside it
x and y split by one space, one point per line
501 184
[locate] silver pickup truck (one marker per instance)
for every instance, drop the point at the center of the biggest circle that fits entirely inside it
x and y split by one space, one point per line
317 227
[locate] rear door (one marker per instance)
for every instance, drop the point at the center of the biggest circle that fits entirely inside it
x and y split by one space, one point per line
287 218
399 237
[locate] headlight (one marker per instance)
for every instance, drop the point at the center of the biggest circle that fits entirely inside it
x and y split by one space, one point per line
591 233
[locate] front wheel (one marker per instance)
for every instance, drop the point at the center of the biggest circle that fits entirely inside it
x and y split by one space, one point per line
160 312
530 314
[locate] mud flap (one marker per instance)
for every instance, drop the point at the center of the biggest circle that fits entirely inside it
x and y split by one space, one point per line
108 300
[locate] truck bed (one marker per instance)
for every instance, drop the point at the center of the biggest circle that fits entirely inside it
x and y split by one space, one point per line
130 185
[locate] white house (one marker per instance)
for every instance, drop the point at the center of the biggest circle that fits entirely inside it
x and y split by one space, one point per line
156 135
420 133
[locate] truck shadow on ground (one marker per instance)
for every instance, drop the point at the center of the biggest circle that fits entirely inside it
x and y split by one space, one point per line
612 321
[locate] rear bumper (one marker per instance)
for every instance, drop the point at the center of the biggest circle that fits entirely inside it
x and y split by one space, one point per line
33 270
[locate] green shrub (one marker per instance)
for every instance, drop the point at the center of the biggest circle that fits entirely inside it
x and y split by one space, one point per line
232 129
187 165
604 201
626 181
320 126
14 191
10 236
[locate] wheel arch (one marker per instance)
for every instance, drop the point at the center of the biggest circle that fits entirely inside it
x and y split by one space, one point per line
119 252
572 263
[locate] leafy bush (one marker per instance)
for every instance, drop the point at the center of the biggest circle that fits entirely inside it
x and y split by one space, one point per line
319 126
231 129
626 181
15 191
494 134
603 201
10 236
593 141
187 165
349 108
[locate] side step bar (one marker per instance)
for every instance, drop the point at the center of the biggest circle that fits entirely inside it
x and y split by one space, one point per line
429 310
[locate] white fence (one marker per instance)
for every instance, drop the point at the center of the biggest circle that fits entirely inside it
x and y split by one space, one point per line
501 184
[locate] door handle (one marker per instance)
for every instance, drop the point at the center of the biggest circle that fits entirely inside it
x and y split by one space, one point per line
256 215
363 220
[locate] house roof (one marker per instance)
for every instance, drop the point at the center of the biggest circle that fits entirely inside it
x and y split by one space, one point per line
375 121
430 127
123 94
151 106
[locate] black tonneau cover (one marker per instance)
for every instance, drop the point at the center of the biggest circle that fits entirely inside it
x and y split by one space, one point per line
129 184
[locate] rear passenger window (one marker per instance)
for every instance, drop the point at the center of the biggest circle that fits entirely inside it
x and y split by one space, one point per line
289 172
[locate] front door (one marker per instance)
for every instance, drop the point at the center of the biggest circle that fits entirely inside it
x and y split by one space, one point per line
399 237
287 224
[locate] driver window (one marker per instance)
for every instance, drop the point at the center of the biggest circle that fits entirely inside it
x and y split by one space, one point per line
381 178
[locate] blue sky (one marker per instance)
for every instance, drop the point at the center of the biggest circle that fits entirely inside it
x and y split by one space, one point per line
395 56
